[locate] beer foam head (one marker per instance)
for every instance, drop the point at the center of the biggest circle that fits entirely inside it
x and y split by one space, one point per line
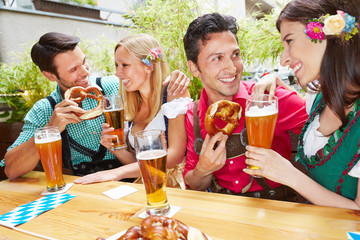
48 139
151 154
255 111
113 110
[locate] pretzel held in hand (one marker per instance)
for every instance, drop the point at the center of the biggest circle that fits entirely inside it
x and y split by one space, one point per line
227 111
78 94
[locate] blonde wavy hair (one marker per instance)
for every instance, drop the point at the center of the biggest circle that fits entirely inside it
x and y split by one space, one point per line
139 46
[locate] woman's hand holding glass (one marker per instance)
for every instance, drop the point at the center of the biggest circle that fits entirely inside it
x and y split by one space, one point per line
270 163
106 137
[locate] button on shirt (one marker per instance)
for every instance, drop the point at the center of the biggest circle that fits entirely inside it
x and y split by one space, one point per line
292 116
87 133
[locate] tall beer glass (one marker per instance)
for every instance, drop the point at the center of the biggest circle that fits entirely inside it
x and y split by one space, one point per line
114 116
151 153
48 143
260 116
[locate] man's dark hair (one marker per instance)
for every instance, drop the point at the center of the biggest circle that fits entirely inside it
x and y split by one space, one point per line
49 45
200 28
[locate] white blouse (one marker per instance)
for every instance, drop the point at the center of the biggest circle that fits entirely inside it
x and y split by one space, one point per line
315 140
170 109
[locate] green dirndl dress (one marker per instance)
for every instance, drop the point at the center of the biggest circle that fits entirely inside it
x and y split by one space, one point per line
331 164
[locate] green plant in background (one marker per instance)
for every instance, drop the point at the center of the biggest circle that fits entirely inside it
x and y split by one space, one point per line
21 85
259 39
100 55
91 2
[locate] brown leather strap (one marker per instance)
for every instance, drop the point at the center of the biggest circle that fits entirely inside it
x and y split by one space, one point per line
198 139
234 147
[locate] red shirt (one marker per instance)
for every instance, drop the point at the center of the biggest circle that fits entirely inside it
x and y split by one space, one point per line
292 116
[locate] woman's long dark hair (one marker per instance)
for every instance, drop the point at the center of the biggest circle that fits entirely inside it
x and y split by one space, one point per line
340 68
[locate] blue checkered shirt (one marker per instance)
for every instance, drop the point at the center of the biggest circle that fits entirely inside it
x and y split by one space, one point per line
86 133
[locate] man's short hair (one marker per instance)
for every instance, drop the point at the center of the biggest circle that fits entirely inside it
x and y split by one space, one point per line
49 45
200 28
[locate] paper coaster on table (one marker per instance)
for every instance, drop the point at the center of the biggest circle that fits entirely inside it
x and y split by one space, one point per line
120 192
353 235
26 212
64 190
173 210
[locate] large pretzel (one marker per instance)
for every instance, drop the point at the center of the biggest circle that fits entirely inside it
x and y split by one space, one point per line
158 228
227 111
78 94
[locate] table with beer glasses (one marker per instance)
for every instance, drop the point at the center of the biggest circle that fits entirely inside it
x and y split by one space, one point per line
91 214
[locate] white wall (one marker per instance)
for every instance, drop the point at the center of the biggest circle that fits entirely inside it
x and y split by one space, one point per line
19 30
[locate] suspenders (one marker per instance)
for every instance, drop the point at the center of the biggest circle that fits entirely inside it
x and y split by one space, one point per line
68 142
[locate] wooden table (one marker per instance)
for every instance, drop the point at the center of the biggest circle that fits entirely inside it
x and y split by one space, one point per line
91 214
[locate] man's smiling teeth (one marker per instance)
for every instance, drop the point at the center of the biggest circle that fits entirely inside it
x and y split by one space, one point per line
297 67
125 80
227 79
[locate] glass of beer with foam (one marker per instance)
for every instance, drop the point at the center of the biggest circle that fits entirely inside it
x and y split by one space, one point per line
48 143
261 113
151 153
113 107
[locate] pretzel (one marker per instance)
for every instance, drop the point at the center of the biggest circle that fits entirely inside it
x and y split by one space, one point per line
227 111
158 228
78 94
132 233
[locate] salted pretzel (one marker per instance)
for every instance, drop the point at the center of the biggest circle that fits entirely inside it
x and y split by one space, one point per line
227 111
78 94
158 228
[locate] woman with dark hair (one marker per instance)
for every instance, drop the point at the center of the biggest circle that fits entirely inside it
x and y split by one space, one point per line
322 45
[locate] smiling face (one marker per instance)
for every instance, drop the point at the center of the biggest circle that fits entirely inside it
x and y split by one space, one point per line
302 55
219 66
72 69
134 74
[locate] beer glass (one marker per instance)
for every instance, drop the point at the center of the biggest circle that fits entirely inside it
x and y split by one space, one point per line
48 143
113 107
151 153
260 115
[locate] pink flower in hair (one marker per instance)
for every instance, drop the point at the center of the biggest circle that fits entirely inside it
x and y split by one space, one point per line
314 31
341 13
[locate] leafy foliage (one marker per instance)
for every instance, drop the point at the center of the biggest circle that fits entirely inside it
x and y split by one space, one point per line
100 55
21 85
259 39
91 2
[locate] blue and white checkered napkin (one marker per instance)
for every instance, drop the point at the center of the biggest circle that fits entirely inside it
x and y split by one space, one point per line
28 211
353 235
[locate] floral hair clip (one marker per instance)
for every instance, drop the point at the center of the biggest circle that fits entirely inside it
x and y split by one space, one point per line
341 24
154 54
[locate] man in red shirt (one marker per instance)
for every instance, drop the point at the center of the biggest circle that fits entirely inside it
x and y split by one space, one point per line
213 55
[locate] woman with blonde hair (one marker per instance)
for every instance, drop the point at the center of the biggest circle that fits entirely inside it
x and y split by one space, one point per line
142 69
